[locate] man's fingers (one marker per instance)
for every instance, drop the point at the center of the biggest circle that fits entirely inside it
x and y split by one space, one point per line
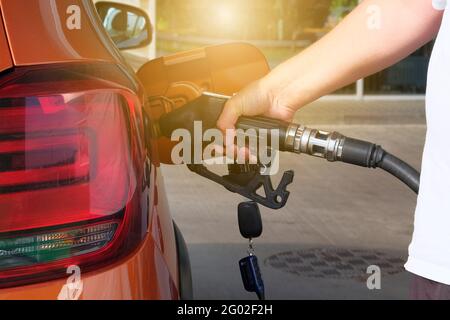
230 115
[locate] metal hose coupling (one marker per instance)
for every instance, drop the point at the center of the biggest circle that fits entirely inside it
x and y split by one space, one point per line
317 143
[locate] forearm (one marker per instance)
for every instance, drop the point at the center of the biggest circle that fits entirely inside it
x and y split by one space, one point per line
357 47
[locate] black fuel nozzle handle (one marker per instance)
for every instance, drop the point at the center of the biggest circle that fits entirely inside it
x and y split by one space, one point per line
291 137
274 129
207 108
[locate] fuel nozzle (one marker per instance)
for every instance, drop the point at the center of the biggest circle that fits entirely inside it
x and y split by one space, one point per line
294 138
300 139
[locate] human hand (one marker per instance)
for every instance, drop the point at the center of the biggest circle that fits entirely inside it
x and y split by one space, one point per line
256 99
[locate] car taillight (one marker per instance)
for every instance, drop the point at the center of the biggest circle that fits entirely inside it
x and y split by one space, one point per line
70 160
52 246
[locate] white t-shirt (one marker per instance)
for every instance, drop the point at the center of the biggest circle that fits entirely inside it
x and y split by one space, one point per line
429 253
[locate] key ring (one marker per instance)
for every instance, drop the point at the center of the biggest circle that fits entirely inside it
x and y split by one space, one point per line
251 248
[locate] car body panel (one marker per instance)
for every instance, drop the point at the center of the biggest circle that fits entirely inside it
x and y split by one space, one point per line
162 226
135 61
37 35
39 32
5 56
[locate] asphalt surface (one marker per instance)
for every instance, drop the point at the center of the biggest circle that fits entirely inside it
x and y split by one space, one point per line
334 210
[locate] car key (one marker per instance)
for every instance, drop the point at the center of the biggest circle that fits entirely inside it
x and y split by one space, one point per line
250 222
251 276
250 226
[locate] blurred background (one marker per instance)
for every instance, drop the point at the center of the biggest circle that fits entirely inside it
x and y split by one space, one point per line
280 28
339 219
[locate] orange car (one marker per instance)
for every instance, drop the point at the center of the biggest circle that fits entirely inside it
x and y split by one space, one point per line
83 211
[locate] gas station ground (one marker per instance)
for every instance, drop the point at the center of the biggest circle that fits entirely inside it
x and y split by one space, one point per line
339 219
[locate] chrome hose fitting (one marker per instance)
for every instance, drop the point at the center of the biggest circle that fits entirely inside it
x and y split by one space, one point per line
327 145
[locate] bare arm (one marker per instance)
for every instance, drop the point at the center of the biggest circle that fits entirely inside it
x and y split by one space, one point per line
377 34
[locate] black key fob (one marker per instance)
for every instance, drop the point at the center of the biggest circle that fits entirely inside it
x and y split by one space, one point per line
250 222
251 276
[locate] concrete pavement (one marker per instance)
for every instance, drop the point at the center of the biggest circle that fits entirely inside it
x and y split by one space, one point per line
333 208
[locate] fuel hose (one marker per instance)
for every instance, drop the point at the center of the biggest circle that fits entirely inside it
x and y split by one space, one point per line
333 147
295 138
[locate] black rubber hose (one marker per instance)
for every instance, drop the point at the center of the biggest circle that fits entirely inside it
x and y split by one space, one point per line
369 155
401 170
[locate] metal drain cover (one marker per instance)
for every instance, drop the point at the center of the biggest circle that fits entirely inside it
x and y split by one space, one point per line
335 263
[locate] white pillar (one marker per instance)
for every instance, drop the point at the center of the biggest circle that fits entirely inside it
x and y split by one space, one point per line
150 7
360 89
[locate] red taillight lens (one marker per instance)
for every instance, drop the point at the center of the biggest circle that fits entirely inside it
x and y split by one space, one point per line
68 168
